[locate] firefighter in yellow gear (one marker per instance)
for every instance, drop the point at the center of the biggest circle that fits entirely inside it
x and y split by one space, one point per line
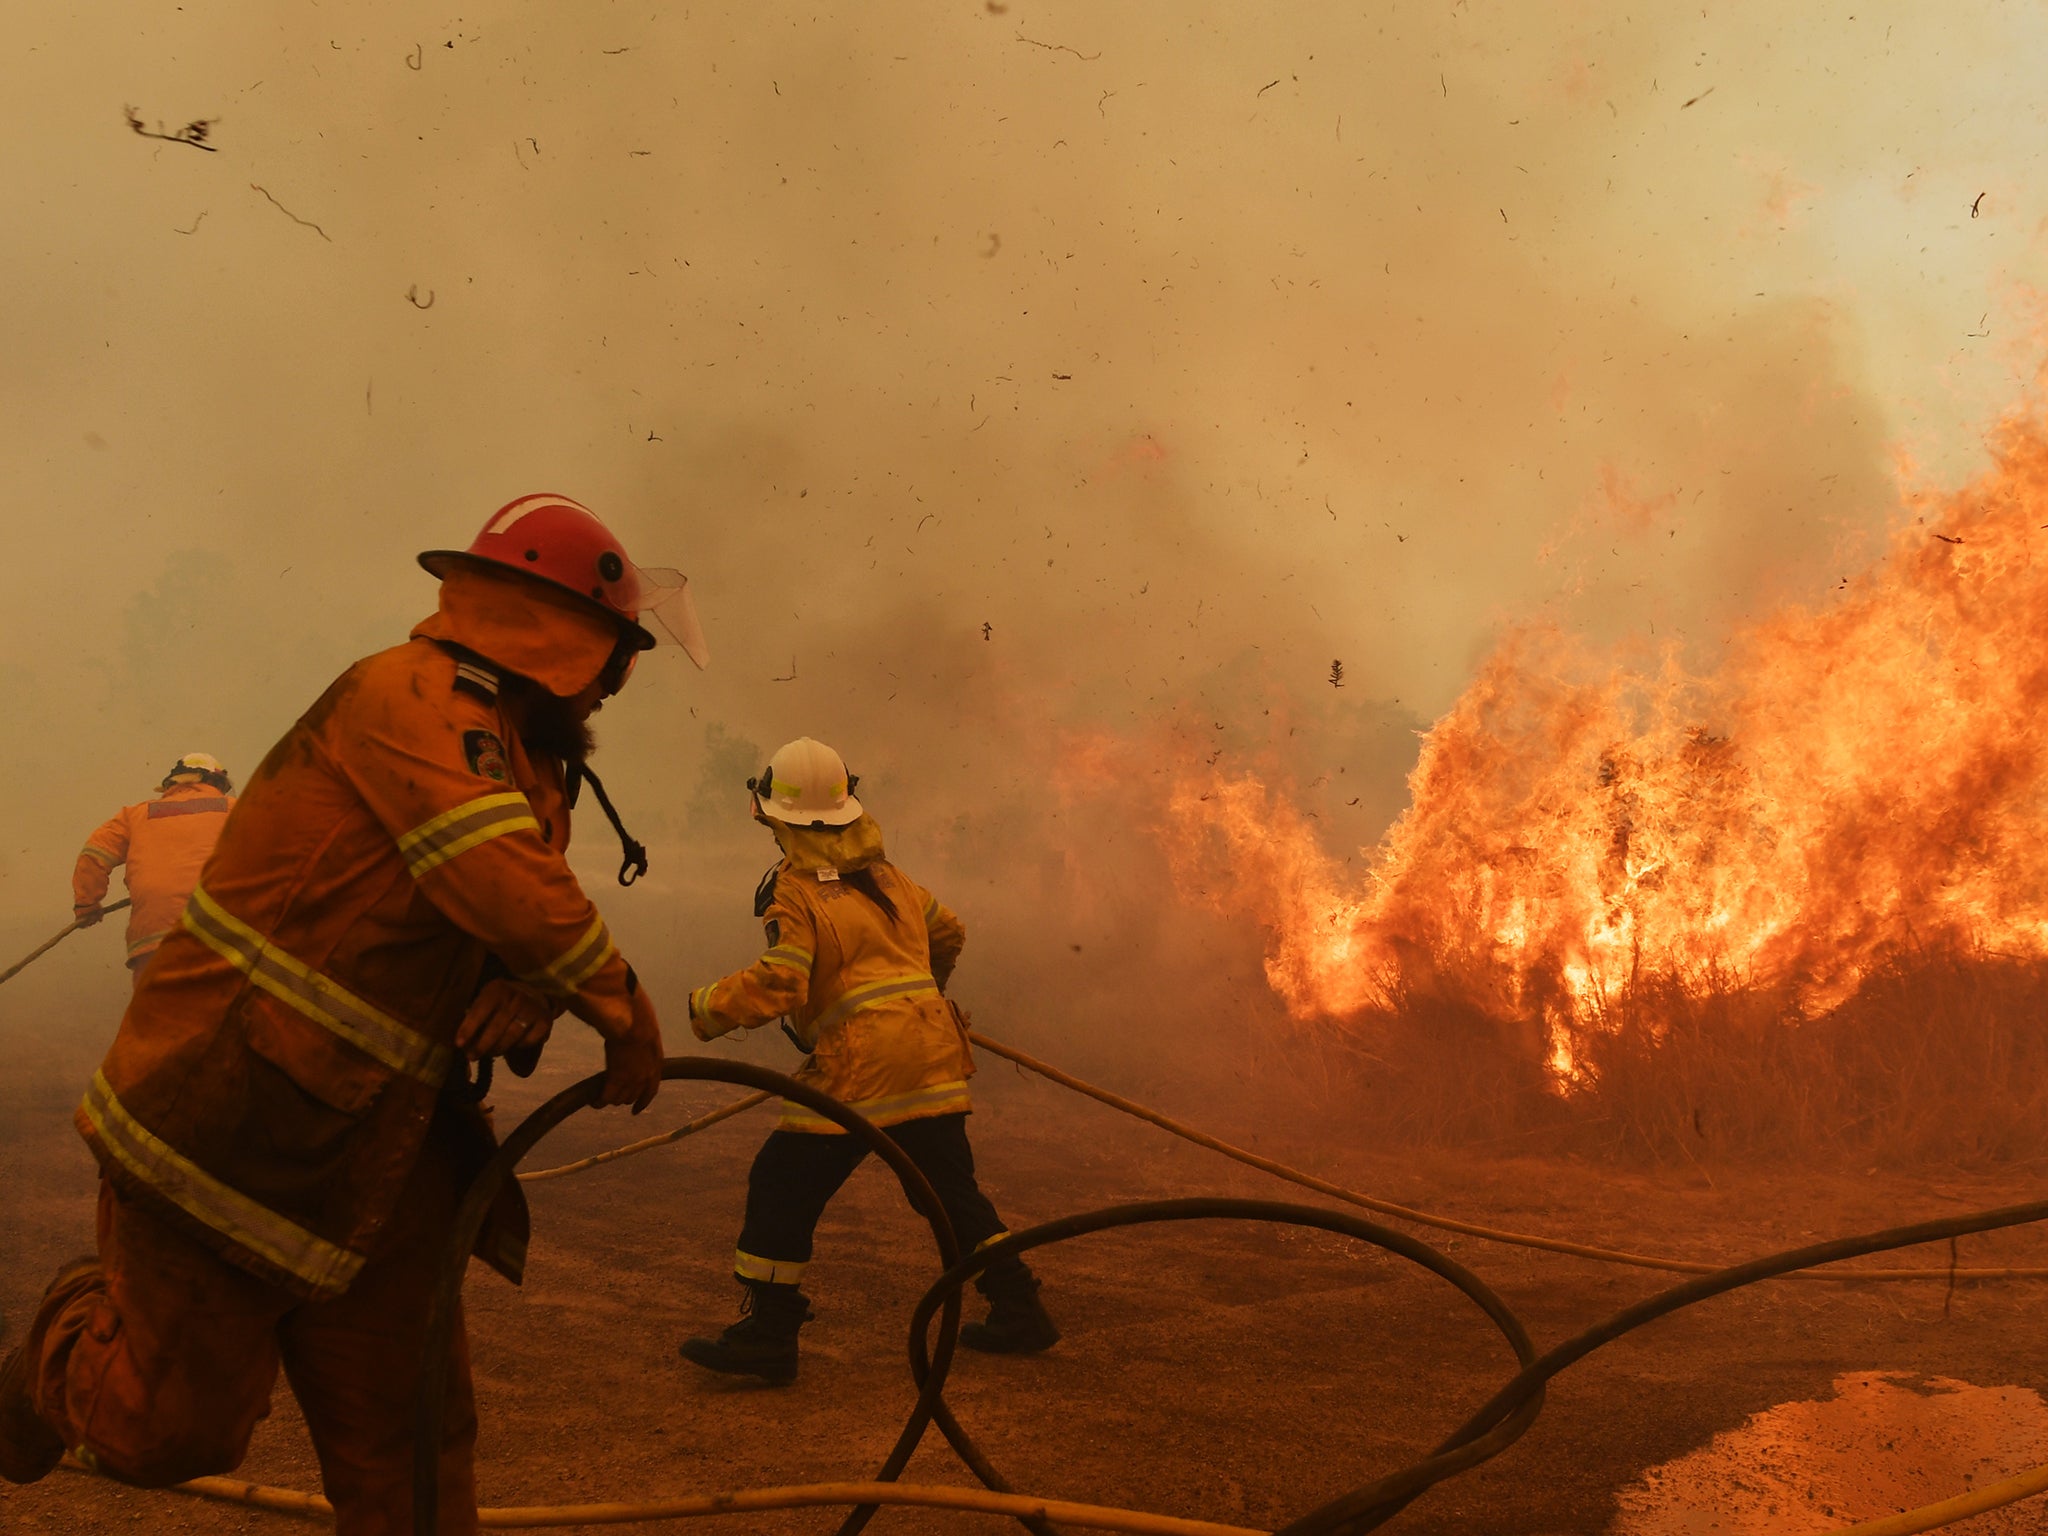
164 844
857 959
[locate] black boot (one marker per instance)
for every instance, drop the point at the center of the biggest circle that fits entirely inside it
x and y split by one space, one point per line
1017 1324
763 1342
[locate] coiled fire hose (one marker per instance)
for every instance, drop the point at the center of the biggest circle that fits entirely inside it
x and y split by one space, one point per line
1493 1427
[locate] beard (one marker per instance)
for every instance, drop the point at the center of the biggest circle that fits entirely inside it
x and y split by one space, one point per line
549 727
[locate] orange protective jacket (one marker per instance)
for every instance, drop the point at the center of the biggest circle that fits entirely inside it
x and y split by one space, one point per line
164 844
275 1074
863 993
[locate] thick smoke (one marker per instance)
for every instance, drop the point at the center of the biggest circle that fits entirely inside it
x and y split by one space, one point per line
1004 376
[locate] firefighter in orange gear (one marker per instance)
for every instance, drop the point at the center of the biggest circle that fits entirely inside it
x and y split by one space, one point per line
279 1127
858 957
164 843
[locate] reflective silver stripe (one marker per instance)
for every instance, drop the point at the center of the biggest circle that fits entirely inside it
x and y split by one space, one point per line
940 1098
321 1264
789 955
433 843
212 805
99 855
874 992
751 1266
327 1003
577 964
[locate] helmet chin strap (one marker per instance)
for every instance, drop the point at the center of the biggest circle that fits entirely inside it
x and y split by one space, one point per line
634 864
618 666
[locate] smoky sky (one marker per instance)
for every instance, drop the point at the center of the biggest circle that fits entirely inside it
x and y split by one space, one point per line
996 372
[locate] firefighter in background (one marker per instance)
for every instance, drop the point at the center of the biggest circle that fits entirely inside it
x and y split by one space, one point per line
858 957
164 843
280 1154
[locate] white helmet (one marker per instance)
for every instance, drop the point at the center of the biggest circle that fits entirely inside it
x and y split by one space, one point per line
806 785
202 766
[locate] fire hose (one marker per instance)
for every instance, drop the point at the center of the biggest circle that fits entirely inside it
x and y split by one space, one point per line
1492 1427
1305 1180
58 938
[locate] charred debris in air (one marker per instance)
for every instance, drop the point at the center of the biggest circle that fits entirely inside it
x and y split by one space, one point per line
193 133
280 207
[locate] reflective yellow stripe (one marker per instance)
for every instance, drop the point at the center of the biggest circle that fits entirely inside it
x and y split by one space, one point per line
100 855
578 963
324 1266
433 843
324 1001
751 1266
148 941
931 909
874 992
939 1099
789 955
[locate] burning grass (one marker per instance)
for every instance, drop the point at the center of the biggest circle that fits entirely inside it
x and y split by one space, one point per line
1796 903
1938 1058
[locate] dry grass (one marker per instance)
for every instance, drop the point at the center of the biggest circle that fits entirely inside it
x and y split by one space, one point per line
1939 1058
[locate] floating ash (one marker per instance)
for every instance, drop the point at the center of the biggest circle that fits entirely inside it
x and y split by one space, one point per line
1886 1441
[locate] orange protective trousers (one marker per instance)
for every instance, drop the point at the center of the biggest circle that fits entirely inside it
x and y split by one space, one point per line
161 1362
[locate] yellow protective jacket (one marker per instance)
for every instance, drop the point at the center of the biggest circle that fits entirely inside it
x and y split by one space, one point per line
164 844
863 994
272 1081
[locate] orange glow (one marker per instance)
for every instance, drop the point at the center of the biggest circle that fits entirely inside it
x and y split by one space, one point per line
1855 780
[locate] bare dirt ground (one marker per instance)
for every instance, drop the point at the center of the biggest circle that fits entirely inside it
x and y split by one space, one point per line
1237 1373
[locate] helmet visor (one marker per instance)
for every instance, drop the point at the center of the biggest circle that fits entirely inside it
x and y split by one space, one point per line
665 597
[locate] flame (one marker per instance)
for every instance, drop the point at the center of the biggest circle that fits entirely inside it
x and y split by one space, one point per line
1855 780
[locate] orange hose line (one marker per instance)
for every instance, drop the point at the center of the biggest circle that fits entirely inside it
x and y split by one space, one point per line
702 1122
1094 1517
1445 1223
1930 1517
1292 1175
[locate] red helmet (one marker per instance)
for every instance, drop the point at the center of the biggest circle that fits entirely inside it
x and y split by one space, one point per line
561 542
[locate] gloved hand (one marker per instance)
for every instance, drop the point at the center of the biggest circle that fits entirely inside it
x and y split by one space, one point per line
85 917
506 1015
632 1061
702 1025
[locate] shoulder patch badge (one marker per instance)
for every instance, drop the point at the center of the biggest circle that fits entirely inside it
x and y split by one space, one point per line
764 893
774 930
486 755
